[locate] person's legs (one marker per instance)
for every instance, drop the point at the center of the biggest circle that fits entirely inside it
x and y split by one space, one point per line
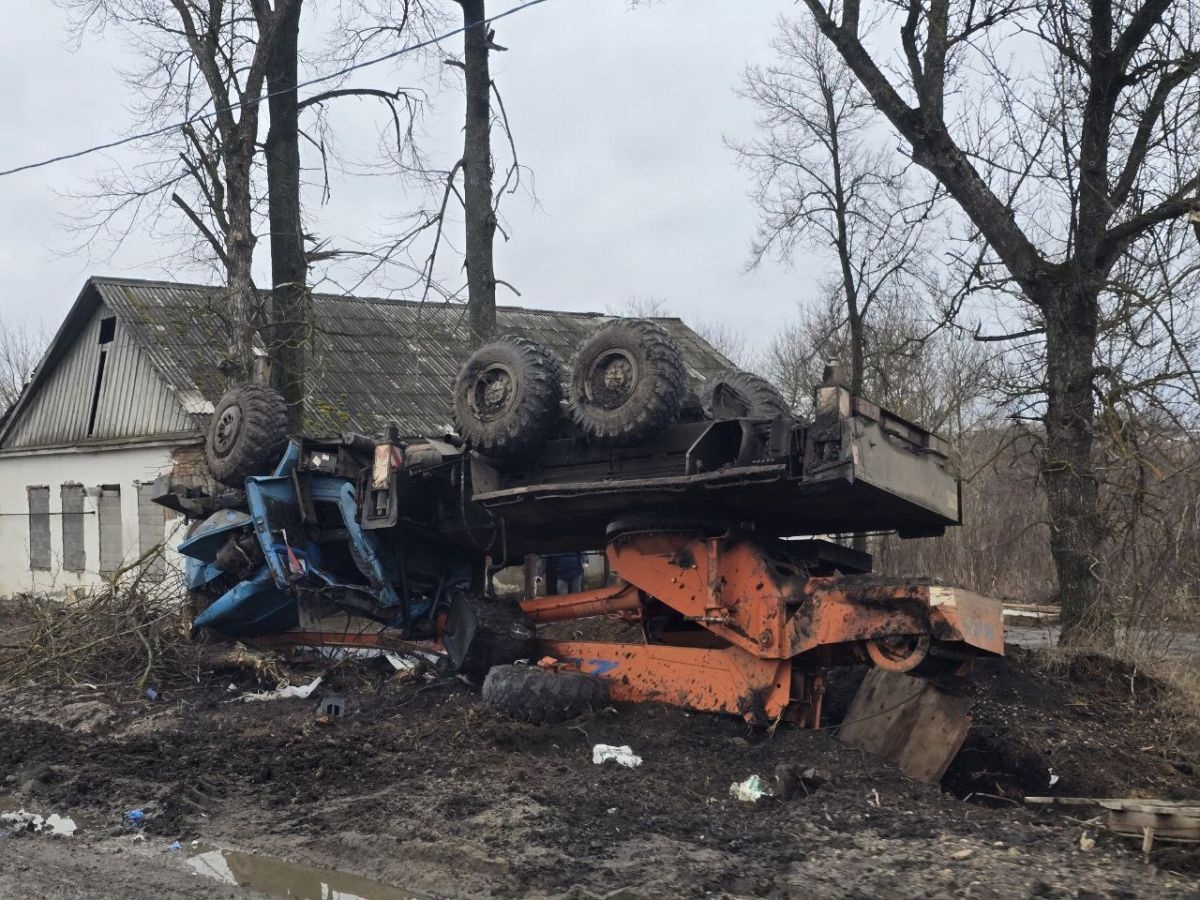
570 585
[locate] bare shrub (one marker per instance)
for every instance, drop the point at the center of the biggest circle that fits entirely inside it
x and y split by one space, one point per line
134 629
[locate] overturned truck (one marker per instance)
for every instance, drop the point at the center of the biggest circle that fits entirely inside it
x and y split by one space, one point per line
716 511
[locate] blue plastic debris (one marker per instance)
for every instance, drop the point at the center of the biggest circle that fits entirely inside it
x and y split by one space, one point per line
175 846
135 818
152 693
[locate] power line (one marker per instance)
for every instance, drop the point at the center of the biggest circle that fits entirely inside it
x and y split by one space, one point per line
320 79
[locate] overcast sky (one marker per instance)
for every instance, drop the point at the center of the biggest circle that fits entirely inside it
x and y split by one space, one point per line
620 113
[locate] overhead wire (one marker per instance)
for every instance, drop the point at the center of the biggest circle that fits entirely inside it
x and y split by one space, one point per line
319 79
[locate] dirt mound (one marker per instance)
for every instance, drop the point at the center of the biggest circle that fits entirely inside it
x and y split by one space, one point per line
1085 725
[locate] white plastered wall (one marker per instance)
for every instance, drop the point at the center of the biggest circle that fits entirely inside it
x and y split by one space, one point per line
125 467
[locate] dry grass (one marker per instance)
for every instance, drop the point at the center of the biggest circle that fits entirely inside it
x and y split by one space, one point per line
1170 684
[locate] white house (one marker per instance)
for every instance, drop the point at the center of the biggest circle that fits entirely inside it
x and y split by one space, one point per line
125 390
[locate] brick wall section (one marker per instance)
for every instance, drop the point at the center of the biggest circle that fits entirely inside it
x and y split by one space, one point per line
74 555
108 510
152 524
39 527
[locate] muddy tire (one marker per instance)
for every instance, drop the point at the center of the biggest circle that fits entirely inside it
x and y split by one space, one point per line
485 632
736 395
247 434
542 696
507 397
627 382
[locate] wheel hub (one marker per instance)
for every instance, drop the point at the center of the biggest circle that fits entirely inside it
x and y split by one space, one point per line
898 653
229 426
494 392
611 380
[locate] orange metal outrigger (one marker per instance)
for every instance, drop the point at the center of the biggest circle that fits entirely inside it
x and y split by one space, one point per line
733 625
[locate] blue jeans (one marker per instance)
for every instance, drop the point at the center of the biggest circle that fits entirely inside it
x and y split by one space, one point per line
570 585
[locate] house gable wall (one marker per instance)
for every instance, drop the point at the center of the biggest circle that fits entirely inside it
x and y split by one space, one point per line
77 400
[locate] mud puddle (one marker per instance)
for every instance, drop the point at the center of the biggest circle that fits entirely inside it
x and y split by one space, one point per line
15 817
281 878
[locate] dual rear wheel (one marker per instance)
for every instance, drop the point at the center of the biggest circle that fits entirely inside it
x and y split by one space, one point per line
627 384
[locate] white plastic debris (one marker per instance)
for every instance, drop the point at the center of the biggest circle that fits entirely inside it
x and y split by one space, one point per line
401 663
622 755
286 692
751 790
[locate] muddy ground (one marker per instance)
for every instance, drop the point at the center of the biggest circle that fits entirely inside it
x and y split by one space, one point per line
418 788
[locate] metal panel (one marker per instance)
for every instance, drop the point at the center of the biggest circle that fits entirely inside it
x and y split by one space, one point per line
133 401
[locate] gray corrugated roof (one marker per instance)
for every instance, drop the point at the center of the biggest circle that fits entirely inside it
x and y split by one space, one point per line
375 360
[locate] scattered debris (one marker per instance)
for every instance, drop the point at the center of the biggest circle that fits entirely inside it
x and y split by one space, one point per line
1087 841
1137 817
402 662
135 818
332 706
622 755
286 692
750 791
152 693
795 779
175 845
965 853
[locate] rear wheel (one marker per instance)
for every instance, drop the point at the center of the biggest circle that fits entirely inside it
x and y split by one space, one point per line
507 397
247 434
542 696
627 382
736 395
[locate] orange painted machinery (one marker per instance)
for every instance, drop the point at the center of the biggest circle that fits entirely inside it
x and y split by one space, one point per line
734 625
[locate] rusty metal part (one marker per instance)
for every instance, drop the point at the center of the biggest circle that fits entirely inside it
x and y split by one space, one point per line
728 680
600 602
763 631
372 640
898 652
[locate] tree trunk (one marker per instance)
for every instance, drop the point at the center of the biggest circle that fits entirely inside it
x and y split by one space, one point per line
1068 466
477 176
239 274
291 310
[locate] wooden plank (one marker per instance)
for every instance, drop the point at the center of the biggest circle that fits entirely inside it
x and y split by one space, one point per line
907 721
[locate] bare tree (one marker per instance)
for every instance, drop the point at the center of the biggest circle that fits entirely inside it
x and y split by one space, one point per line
1065 163
469 183
207 61
826 179
21 349
477 172
291 312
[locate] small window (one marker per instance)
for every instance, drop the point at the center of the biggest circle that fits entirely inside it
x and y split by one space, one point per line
152 526
39 527
108 330
74 556
108 511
